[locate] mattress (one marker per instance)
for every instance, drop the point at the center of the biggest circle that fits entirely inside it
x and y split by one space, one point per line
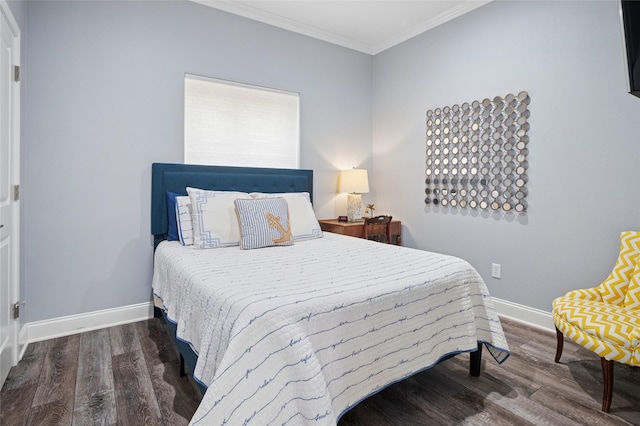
299 334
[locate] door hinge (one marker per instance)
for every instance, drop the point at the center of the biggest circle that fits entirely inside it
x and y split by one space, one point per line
16 192
16 72
16 309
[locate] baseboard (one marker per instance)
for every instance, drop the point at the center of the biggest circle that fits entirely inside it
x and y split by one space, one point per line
72 324
521 313
23 341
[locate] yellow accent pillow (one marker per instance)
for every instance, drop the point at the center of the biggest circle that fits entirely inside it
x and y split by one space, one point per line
614 288
632 298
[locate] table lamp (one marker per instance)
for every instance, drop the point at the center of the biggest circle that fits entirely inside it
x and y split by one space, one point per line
355 182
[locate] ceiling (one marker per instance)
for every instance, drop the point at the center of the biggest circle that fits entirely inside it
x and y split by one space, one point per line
363 25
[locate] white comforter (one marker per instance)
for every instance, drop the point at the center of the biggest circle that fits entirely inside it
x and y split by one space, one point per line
300 334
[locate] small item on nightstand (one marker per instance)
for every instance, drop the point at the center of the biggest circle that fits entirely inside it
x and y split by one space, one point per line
342 218
370 209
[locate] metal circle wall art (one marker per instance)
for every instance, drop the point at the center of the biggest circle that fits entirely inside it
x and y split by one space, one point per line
477 154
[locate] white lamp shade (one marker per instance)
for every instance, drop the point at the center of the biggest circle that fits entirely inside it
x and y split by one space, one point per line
354 181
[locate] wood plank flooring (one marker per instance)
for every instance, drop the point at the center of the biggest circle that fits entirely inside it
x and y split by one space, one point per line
124 375
128 375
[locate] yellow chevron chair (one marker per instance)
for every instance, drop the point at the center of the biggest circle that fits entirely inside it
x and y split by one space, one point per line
606 319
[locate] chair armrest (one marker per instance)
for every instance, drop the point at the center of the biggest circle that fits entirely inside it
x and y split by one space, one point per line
585 294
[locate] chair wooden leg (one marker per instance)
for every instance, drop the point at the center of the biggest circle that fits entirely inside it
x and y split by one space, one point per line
560 344
607 376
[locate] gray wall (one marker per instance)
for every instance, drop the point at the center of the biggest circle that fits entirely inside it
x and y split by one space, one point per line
584 152
104 99
18 11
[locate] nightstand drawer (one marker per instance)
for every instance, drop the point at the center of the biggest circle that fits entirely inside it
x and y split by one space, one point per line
356 229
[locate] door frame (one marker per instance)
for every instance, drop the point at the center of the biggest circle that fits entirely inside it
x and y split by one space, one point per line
17 346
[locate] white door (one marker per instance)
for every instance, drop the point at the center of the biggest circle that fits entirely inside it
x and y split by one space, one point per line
9 177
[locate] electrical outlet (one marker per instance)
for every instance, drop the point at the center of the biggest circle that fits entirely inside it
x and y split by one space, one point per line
495 270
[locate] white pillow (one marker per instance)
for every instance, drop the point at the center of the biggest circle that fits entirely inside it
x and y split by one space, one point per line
213 214
304 224
183 219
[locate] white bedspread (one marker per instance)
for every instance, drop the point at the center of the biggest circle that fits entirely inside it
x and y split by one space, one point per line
300 334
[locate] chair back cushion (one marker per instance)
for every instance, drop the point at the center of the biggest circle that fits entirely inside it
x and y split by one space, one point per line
614 289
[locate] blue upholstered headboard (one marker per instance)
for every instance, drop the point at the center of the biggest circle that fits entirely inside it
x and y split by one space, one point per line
177 177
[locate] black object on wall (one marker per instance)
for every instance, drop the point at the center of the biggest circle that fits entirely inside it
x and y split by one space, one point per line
630 15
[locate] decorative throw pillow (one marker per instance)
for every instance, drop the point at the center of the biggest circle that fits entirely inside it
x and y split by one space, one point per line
263 223
304 224
172 231
614 288
183 220
632 298
215 223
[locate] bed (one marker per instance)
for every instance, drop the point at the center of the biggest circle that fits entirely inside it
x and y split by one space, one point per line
301 332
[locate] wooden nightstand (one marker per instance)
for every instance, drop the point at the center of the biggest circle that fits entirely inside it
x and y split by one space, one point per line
356 229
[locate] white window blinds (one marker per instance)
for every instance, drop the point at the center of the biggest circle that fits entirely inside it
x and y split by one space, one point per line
233 124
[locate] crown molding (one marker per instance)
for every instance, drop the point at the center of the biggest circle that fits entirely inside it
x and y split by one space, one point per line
285 23
440 19
317 33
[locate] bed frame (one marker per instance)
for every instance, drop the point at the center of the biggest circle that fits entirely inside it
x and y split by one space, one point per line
176 177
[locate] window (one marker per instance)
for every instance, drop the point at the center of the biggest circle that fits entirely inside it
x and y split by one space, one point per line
234 124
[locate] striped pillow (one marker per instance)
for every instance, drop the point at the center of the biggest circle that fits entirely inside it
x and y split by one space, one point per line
263 222
183 220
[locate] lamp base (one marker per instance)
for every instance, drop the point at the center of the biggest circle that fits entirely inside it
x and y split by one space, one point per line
354 208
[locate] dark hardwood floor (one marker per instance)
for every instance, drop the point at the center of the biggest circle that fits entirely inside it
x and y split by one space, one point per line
128 375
